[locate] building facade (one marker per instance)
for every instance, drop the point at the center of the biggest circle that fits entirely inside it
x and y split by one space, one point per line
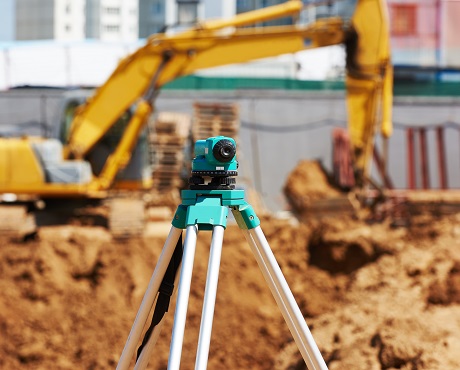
159 15
112 20
152 17
243 6
7 16
49 19
69 20
425 33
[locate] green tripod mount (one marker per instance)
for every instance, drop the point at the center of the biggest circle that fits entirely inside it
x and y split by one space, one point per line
209 208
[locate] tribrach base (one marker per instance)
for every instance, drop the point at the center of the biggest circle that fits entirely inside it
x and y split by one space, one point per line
208 210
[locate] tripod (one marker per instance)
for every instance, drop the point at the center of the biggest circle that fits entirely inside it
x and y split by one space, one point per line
208 210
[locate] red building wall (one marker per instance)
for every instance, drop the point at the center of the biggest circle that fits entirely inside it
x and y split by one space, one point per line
425 32
450 22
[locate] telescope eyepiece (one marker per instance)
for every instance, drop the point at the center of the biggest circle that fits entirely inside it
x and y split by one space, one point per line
224 150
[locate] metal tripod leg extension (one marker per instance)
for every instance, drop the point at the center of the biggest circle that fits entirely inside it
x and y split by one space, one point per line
149 298
205 207
284 298
249 224
207 316
207 210
201 210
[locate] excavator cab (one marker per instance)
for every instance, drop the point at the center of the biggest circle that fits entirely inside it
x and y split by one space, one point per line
136 174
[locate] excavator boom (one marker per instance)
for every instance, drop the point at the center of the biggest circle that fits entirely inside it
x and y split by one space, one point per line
208 45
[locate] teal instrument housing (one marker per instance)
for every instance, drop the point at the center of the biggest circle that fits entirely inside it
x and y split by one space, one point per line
209 208
207 156
207 205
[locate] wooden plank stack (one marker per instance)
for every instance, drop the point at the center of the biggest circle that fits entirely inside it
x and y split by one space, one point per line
171 133
167 140
214 119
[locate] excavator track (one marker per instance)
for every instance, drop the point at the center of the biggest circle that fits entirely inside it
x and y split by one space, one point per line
126 217
16 222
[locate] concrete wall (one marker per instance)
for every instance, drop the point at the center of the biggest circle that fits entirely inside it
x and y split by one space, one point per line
279 129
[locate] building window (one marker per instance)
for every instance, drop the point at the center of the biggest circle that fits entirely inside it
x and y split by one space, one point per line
245 5
112 10
403 19
187 12
68 28
68 9
112 28
157 8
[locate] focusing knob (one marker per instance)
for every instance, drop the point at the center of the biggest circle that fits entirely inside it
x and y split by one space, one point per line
224 150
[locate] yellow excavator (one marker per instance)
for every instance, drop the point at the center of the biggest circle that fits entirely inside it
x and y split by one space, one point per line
41 168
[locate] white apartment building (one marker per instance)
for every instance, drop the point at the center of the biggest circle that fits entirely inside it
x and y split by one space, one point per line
155 15
105 20
69 20
50 19
7 16
112 20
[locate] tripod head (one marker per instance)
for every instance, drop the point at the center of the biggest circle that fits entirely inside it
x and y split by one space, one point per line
215 158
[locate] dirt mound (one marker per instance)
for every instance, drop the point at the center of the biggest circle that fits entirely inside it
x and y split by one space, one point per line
70 297
306 183
374 297
401 307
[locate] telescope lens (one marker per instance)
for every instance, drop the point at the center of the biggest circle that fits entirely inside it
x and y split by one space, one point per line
224 150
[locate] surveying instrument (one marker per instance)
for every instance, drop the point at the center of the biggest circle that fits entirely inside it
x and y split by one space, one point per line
205 207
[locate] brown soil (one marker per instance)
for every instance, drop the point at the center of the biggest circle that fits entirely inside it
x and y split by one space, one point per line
307 183
374 296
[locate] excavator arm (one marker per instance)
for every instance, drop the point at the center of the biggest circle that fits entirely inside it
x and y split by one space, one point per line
164 58
369 82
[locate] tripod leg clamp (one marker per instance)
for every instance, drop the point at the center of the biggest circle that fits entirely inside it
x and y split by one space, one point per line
180 217
245 217
207 213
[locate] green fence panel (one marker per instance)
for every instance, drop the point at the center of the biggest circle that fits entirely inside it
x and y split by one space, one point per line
401 88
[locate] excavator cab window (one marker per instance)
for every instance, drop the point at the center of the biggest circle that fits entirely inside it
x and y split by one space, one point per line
67 118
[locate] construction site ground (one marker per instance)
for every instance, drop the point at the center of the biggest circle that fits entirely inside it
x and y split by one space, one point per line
375 296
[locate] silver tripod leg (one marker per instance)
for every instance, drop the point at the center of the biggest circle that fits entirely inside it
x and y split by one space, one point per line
183 294
149 298
284 298
209 298
145 355
209 301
